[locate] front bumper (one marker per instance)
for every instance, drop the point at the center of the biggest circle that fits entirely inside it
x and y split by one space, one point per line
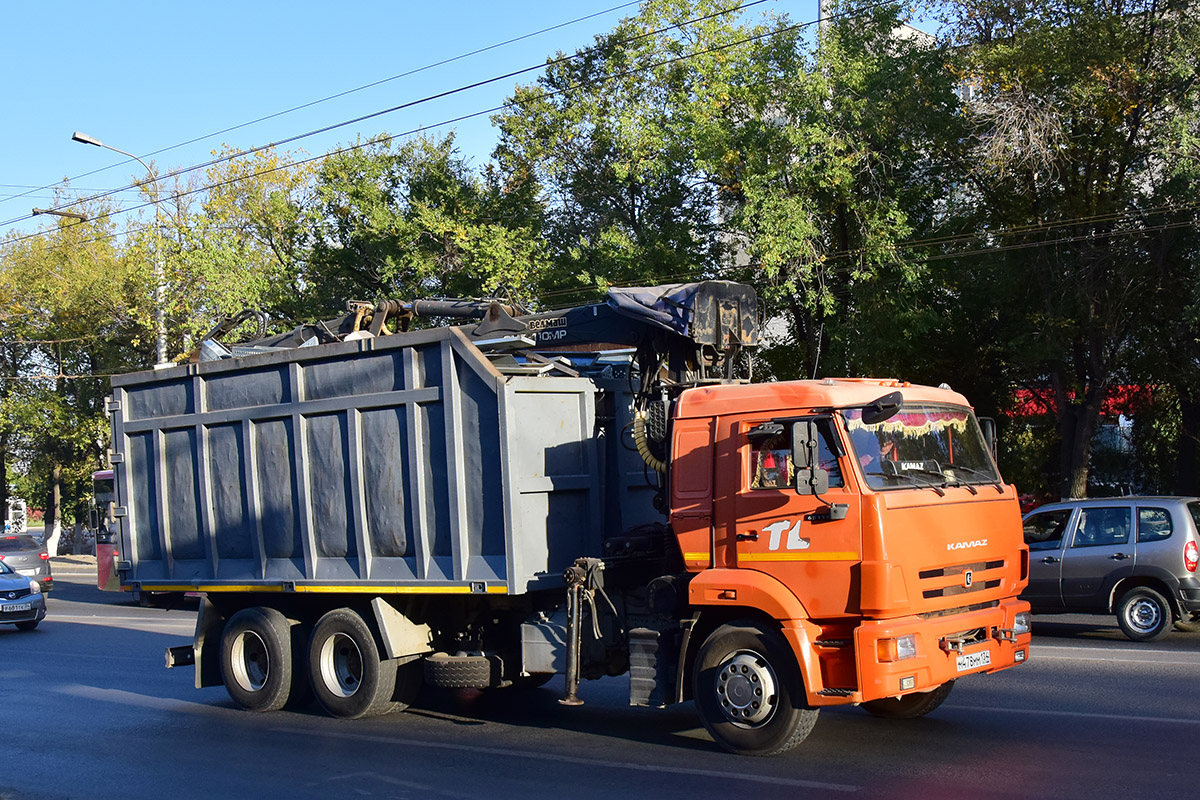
36 610
947 647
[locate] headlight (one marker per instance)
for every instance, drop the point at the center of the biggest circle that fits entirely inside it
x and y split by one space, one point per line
35 587
1022 623
896 649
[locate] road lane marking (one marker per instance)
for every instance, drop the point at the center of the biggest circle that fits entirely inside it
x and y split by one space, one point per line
122 697
1110 655
101 618
1076 714
588 762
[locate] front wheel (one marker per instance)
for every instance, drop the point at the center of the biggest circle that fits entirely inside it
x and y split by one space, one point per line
1144 615
909 706
349 678
749 691
28 626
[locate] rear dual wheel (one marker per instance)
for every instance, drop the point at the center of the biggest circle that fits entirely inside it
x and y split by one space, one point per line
348 674
256 659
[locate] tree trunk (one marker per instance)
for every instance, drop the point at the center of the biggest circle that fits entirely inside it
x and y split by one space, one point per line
1185 459
1077 427
53 517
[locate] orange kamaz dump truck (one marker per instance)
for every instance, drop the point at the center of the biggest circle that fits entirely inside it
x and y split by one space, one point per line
591 492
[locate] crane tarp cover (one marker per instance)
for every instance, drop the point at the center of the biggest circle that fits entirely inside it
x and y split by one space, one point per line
670 306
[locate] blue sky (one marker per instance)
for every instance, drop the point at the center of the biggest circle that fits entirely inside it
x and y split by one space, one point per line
146 76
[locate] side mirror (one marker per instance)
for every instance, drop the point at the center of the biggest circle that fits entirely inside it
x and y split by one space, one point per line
810 478
988 426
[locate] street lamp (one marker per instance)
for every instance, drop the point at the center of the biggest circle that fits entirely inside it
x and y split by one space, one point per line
160 340
59 213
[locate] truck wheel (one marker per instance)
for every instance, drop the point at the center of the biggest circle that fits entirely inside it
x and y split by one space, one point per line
1144 615
256 659
748 689
909 706
348 677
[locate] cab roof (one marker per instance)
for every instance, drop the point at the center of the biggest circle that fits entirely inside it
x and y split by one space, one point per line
801 396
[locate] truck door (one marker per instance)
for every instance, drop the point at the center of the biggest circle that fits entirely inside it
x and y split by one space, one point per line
1100 554
793 537
1046 533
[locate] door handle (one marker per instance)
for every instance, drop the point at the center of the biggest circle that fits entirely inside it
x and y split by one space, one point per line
1050 560
1118 556
747 537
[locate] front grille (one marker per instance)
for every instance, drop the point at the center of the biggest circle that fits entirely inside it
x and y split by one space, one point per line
950 612
15 594
959 569
980 584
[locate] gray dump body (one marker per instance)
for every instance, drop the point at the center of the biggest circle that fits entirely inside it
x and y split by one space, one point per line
404 463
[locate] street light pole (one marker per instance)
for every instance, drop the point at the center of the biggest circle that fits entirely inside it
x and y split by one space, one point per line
56 212
160 325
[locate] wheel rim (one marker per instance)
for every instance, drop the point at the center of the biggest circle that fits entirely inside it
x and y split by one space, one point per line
250 661
745 689
1144 615
341 665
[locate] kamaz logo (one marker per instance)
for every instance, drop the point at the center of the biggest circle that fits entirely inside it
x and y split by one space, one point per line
967 545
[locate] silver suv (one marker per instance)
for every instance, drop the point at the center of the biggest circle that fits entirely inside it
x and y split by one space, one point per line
1136 557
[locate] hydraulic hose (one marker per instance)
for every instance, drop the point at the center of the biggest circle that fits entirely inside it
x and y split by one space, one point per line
643 445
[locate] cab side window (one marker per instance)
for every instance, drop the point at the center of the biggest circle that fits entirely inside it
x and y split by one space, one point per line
1102 526
1154 524
1045 530
771 460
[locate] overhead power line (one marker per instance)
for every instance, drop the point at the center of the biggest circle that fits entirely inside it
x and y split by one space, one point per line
345 93
448 93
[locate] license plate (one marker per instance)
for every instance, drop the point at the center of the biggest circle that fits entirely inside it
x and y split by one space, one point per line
27 572
968 661
18 607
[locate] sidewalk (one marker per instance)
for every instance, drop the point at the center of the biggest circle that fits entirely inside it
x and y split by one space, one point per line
73 565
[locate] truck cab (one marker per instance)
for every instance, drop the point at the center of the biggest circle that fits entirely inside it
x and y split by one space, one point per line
877 536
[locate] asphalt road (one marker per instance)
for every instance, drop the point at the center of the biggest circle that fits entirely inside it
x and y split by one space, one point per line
89 711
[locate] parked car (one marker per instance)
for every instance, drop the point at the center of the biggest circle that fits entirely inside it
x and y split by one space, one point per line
1135 557
27 557
22 602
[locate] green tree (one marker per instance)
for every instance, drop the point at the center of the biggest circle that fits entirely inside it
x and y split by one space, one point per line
1073 118
70 312
413 220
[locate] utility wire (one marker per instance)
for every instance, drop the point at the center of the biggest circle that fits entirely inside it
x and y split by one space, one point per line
331 97
410 104
494 109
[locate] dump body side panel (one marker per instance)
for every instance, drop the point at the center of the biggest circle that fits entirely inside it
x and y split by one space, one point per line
404 463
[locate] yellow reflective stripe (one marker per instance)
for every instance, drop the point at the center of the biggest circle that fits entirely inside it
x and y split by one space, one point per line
400 589
356 589
175 587
695 556
800 556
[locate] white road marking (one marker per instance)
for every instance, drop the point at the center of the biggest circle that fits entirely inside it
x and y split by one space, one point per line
1110 655
125 698
1076 714
589 762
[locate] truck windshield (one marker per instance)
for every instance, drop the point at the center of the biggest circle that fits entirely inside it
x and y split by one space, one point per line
921 445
